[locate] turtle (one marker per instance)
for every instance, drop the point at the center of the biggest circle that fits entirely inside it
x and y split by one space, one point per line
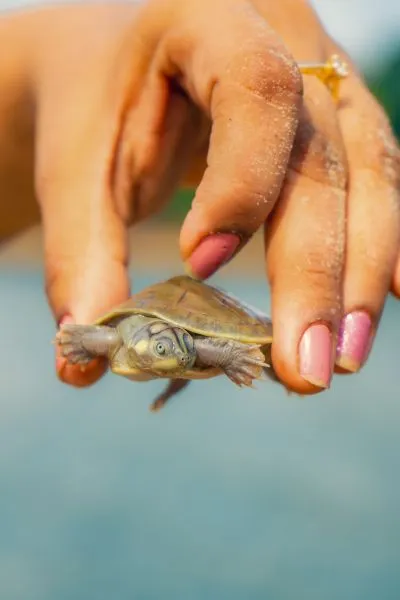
181 329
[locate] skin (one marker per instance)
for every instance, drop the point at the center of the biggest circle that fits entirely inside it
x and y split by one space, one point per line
142 348
104 116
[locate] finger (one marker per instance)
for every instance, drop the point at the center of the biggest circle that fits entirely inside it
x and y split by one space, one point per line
373 220
305 249
84 234
159 137
241 75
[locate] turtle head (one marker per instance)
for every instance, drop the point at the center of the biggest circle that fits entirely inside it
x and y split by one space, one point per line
162 348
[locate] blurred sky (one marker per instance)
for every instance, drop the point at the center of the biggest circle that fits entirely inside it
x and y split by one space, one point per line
368 29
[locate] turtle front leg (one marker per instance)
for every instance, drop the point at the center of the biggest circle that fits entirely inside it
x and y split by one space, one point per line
79 344
242 363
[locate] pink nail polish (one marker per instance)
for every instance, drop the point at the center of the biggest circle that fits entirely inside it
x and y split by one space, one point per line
65 320
353 341
212 252
316 355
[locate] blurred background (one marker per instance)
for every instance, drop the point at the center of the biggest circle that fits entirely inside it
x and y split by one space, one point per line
227 493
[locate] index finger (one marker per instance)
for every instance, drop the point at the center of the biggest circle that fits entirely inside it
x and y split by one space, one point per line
240 74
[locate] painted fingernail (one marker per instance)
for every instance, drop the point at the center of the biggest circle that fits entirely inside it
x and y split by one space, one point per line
65 320
354 341
316 355
212 252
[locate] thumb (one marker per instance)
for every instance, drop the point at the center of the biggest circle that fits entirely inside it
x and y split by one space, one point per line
85 234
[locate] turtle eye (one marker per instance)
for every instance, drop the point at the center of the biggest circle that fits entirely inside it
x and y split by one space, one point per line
160 348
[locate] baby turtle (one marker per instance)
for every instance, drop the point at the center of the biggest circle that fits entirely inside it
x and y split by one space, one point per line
180 329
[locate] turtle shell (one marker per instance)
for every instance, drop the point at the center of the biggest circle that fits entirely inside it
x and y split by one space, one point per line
198 308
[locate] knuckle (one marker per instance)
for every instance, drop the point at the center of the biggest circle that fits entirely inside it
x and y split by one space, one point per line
318 157
251 208
240 208
375 246
275 79
320 274
318 151
266 71
248 195
320 265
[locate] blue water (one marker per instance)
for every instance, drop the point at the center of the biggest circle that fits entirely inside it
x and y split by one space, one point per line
227 494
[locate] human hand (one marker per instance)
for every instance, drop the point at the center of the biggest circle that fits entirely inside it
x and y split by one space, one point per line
126 109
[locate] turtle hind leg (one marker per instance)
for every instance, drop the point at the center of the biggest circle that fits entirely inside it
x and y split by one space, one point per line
174 387
242 363
79 344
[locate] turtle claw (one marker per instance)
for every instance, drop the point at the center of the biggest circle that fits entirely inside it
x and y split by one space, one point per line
70 340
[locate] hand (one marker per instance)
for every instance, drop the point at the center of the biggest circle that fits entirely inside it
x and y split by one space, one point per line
127 102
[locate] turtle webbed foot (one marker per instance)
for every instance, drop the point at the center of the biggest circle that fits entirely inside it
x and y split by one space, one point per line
71 341
246 364
242 363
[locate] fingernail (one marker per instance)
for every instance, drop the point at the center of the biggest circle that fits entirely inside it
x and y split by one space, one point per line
212 252
65 320
354 341
316 355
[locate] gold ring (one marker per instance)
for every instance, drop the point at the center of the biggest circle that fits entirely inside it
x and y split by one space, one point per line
330 73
